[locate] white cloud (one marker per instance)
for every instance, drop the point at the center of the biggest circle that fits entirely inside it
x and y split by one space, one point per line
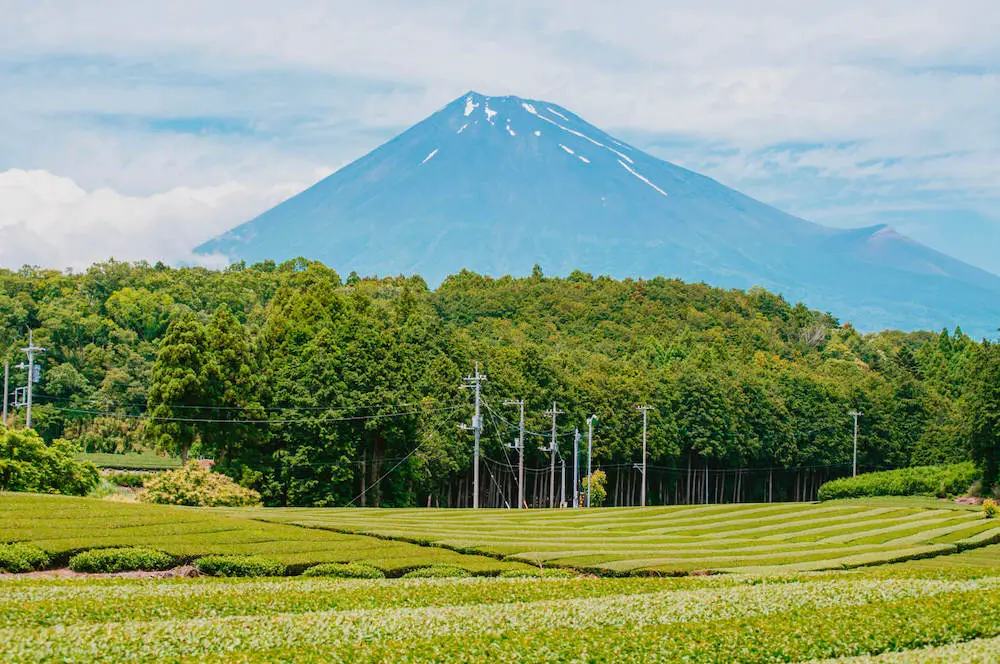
51 221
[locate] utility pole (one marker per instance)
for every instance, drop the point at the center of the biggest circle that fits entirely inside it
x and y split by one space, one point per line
6 381
642 490
590 455
30 366
562 482
856 414
576 468
475 381
519 445
555 412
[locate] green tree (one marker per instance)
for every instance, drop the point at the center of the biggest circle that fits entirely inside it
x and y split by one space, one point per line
983 412
180 386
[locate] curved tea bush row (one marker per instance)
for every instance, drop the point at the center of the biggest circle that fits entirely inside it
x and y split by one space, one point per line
438 572
940 481
345 571
22 558
239 566
125 559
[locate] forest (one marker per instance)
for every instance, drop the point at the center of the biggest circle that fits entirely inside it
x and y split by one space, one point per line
318 389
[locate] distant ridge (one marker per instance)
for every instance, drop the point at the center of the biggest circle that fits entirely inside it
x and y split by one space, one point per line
498 184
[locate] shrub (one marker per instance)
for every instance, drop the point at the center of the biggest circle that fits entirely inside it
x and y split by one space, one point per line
546 573
125 559
990 508
938 481
438 572
19 557
598 494
197 486
128 480
239 566
28 464
345 571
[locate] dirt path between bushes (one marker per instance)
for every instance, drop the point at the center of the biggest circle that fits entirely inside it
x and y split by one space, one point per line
183 571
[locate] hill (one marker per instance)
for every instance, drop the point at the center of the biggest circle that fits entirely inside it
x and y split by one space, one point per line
499 184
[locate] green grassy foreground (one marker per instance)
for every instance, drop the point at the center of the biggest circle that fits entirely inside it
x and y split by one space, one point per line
754 538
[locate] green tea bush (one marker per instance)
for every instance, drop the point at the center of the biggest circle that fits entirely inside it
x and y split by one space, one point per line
345 571
126 559
438 572
239 566
197 486
546 573
19 557
938 481
28 464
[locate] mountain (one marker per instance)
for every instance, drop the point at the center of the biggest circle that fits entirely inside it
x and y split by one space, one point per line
498 184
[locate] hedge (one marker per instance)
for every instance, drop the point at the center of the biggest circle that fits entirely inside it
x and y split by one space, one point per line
345 571
240 566
940 481
19 557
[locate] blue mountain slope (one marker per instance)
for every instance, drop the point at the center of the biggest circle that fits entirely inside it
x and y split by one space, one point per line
498 184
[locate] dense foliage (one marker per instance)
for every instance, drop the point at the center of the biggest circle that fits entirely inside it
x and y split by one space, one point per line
940 481
240 566
20 557
125 559
28 463
197 486
310 389
437 572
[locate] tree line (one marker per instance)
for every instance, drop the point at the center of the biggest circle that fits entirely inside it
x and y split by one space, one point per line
319 390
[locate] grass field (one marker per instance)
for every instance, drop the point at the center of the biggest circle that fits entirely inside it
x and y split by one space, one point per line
137 461
756 538
63 525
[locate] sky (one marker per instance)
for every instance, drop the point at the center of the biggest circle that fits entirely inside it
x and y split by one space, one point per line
137 130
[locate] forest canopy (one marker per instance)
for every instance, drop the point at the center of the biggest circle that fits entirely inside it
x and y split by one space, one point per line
313 389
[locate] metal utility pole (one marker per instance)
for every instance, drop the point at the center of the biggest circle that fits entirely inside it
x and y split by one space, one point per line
576 468
590 454
475 381
519 445
6 381
30 366
562 483
856 414
555 412
642 490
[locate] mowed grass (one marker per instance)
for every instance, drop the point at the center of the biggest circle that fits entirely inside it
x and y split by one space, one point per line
751 538
695 619
64 525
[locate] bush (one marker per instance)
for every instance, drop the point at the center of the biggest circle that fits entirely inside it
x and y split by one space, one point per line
345 571
990 508
28 464
438 572
197 486
19 557
125 559
128 480
546 573
598 494
239 566
940 481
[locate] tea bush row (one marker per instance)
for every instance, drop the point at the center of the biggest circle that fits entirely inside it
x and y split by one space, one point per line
19 557
126 559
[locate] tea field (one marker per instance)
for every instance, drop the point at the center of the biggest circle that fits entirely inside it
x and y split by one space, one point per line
748 538
63 525
896 617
